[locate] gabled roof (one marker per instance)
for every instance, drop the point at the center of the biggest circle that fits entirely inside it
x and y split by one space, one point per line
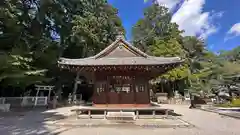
120 52
123 45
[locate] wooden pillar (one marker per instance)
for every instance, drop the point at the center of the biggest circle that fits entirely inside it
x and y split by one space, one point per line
106 92
75 87
94 87
134 91
148 91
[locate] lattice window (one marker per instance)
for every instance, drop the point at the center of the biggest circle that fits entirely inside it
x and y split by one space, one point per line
101 87
126 88
140 88
111 88
120 88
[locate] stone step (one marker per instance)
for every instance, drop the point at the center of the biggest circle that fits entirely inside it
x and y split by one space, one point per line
120 115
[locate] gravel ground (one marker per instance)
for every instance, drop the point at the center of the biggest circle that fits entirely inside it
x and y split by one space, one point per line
206 123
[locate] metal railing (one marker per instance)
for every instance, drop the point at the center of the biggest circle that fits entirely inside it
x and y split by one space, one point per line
24 101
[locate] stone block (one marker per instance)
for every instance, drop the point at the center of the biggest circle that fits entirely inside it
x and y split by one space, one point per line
120 115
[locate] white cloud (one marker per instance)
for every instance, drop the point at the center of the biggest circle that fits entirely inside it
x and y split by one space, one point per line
192 19
235 29
168 3
233 32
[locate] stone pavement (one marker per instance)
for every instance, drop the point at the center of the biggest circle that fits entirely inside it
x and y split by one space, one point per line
65 111
34 123
139 123
28 123
206 123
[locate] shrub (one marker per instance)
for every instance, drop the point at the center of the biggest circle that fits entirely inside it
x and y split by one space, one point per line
234 103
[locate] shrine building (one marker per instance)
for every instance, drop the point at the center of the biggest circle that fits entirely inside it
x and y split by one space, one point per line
120 73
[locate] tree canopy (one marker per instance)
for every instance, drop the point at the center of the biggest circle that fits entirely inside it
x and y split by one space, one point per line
35 33
157 35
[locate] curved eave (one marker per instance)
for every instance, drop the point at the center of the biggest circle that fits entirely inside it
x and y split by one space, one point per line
128 61
166 64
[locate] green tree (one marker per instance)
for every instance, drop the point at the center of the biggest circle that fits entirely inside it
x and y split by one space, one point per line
158 36
22 38
155 24
40 31
232 55
95 27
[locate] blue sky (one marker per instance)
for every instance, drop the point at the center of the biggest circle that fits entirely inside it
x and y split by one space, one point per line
217 21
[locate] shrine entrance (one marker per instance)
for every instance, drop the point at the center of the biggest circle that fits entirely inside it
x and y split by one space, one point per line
121 90
126 88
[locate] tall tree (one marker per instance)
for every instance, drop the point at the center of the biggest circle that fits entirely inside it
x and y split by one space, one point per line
34 33
156 23
93 28
157 35
22 38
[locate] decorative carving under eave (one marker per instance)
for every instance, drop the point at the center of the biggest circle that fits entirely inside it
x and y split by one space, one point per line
140 68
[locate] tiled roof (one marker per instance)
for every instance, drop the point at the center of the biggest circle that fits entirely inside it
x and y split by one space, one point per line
101 58
120 61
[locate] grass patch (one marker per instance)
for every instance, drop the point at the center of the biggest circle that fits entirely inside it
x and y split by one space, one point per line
234 103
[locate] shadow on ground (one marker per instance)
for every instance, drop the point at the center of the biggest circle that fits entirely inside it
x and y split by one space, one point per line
29 122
